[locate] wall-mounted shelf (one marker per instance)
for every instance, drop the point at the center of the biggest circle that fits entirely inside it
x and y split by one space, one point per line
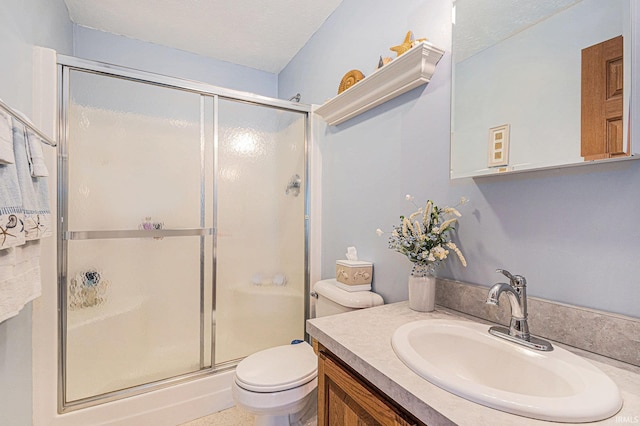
412 69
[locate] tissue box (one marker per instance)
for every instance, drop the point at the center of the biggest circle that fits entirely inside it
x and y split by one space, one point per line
354 272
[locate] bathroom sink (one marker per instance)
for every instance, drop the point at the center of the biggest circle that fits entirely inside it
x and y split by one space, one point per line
464 359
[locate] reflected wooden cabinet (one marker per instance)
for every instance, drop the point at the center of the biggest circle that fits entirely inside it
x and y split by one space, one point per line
602 101
346 399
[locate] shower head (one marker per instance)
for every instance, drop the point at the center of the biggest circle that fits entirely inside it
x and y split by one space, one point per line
295 98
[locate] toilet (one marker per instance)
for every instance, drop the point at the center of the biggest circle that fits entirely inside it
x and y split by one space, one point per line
279 385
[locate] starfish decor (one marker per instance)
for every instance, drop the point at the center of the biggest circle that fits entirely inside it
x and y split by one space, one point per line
407 44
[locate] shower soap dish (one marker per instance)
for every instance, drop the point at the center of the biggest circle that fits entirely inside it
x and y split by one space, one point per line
354 272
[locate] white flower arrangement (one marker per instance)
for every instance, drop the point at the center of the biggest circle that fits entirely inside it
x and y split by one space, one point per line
426 242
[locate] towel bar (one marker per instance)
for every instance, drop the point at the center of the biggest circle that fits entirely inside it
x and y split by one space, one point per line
46 139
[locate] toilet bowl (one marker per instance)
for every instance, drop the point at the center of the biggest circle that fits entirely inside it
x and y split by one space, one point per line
279 385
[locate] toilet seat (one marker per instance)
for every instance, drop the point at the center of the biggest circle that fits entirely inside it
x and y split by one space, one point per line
289 366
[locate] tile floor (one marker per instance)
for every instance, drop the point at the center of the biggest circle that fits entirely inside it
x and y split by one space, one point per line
230 417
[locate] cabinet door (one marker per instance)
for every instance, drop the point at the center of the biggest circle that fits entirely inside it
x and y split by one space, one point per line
344 400
602 101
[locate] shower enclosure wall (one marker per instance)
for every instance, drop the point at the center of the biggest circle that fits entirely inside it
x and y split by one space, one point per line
182 241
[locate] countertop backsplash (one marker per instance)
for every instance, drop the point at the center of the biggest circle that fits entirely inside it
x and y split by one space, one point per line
603 333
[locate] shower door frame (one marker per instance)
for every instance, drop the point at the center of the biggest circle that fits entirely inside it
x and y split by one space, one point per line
65 65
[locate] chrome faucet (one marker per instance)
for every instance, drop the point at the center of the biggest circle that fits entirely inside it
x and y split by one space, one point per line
518 331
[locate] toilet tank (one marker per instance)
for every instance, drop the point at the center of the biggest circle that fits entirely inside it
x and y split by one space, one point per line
333 300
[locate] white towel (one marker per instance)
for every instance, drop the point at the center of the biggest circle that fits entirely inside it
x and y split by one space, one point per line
24 286
27 258
35 156
34 192
6 139
7 263
11 212
24 216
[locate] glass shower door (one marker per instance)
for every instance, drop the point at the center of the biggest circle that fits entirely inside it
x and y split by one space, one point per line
260 266
137 243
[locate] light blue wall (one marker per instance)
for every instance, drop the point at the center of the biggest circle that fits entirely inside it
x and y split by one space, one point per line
23 24
573 233
128 52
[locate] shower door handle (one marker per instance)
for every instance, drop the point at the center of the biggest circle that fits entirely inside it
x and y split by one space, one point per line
137 233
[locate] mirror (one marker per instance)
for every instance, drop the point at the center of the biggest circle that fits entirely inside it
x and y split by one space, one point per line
518 71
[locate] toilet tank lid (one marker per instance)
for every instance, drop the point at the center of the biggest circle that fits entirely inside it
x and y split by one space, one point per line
349 299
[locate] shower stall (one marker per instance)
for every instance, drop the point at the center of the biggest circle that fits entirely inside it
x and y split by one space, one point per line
182 232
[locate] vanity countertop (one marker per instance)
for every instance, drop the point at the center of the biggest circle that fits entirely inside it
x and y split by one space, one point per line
363 340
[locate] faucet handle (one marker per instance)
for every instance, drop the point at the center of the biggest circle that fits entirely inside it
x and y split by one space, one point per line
516 281
505 273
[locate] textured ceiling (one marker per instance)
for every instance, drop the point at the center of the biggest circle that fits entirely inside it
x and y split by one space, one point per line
483 23
254 33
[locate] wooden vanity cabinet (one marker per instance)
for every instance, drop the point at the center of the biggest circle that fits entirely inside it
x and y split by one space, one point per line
347 399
